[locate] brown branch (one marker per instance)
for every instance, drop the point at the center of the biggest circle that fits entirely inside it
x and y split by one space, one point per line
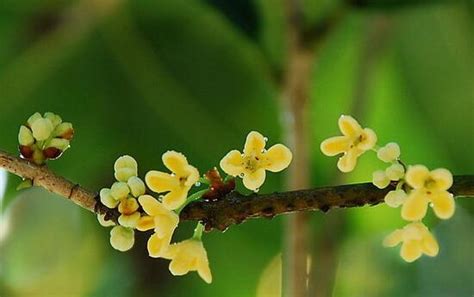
233 208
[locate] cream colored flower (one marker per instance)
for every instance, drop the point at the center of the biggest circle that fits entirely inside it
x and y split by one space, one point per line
354 142
251 165
416 240
380 179
189 255
395 171
125 167
428 187
163 220
177 184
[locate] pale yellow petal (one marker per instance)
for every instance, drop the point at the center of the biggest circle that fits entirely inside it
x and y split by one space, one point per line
411 250
128 206
348 162
415 206
119 190
204 271
380 179
180 265
395 171
152 206
125 167
103 222
277 158
160 182
443 179
192 176
175 162
443 204
146 223
175 199
107 199
254 144
136 185
349 126
395 198
416 176
389 153
368 139
429 245
393 238
157 246
335 145
232 163
254 180
165 224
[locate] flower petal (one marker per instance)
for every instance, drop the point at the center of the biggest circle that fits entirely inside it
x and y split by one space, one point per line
278 157
152 206
349 126
368 139
415 206
393 238
129 221
254 144
175 199
192 176
411 250
254 180
175 162
160 182
348 162
335 145
443 179
429 245
204 271
389 153
416 176
443 204
122 238
165 224
232 163
146 223
157 246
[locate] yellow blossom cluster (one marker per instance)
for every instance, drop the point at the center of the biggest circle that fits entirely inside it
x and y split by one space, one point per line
128 194
415 187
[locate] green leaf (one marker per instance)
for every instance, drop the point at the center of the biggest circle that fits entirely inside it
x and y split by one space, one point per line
270 283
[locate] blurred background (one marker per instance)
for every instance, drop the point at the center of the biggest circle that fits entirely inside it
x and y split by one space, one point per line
142 77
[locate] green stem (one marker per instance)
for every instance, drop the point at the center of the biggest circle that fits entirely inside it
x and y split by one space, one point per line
193 197
198 231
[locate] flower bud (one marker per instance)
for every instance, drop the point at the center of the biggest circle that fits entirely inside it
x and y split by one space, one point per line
103 222
125 167
380 179
129 221
119 190
122 238
33 118
136 185
389 152
128 206
107 199
25 136
395 198
395 172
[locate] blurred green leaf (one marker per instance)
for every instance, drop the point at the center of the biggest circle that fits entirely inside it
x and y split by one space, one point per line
270 283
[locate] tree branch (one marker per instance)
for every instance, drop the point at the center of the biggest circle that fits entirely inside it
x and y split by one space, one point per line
233 208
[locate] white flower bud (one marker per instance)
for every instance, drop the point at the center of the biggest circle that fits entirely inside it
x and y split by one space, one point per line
380 179
119 190
107 199
389 152
137 186
125 167
395 171
121 238
395 198
42 129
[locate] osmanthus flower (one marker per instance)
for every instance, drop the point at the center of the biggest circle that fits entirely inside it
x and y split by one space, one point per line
354 141
189 255
428 187
163 220
255 160
416 240
122 238
177 184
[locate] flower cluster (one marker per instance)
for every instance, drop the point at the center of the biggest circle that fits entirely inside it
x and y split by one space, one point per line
144 212
415 187
44 137
128 195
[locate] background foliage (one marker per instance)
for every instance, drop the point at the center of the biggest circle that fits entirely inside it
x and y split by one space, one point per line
142 77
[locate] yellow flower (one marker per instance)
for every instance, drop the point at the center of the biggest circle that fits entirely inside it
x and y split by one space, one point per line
428 187
163 220
189 255
416 240
251 165
389 152
354 142
177 184
129 215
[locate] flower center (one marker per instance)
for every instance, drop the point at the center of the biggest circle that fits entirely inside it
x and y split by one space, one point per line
251 163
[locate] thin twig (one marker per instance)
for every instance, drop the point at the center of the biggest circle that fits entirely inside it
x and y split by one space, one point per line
233 208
